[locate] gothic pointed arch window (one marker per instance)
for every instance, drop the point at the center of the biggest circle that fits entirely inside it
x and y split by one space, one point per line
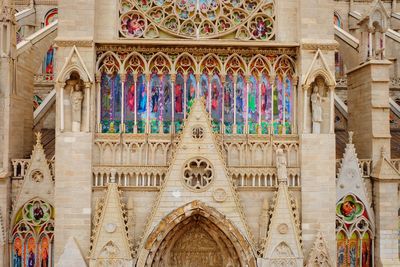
185 88
234 95
32 235
260 95
211 88
160 115
354 233
283 96
135 94
111 94
337 20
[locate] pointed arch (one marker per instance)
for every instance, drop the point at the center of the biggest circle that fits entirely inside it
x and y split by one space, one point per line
175 222
108 54
33 234
74 64
190 64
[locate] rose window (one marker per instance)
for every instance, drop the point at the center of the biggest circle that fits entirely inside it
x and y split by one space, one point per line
242 19
198 174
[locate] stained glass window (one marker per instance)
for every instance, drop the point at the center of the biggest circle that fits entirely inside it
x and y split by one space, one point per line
354 240
198 19
111 95
32 241
241 96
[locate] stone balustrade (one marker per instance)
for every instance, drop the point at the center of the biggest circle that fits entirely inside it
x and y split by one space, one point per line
396 163
262 177
132 176
152 177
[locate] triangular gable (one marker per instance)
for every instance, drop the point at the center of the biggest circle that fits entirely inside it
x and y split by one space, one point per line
71 256
350 179
110 235
197 141
74 62
319 67
38 182
378 5
319 255
384 170
283 230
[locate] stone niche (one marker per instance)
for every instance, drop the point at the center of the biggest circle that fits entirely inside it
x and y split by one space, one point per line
75 105
319 106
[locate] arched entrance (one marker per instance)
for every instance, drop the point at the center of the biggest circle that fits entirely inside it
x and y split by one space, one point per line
197 235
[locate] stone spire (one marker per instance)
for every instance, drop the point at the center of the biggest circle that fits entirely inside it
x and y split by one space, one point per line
350 178
110 239
282 246
319 255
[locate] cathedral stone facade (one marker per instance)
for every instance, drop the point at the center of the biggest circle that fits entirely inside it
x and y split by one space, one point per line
199 133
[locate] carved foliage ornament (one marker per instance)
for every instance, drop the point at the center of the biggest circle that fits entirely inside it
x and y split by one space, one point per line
198 174
198 19
197 133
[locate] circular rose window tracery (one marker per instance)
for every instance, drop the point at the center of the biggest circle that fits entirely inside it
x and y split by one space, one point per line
198 174
253 19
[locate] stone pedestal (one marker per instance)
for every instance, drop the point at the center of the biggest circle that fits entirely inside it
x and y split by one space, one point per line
369 110
73 190
318 189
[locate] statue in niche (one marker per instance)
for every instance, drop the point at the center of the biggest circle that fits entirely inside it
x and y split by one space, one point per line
316 105
281 165
76 101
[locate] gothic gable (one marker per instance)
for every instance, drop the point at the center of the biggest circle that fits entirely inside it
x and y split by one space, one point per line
282 245
110 240
197 172
74 62
350 180
38 181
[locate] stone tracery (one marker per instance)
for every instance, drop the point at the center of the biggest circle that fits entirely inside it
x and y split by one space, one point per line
249 93
32 234
200 19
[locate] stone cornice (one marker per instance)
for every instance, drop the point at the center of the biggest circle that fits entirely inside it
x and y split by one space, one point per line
74 42
315 45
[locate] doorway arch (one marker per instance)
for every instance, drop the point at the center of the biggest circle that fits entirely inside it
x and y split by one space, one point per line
197 235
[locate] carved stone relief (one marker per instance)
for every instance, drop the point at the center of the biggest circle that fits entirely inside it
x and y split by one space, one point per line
196 248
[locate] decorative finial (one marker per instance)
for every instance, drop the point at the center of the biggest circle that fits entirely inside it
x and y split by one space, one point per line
38 138
383 152
351 137
112 177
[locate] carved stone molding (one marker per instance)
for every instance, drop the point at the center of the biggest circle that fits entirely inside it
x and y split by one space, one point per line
331 46
71 43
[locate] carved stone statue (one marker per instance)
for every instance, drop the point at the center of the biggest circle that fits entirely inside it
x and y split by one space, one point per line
76 101
281 165
316 106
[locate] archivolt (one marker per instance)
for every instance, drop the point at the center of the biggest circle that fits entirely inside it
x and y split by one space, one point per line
229 239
